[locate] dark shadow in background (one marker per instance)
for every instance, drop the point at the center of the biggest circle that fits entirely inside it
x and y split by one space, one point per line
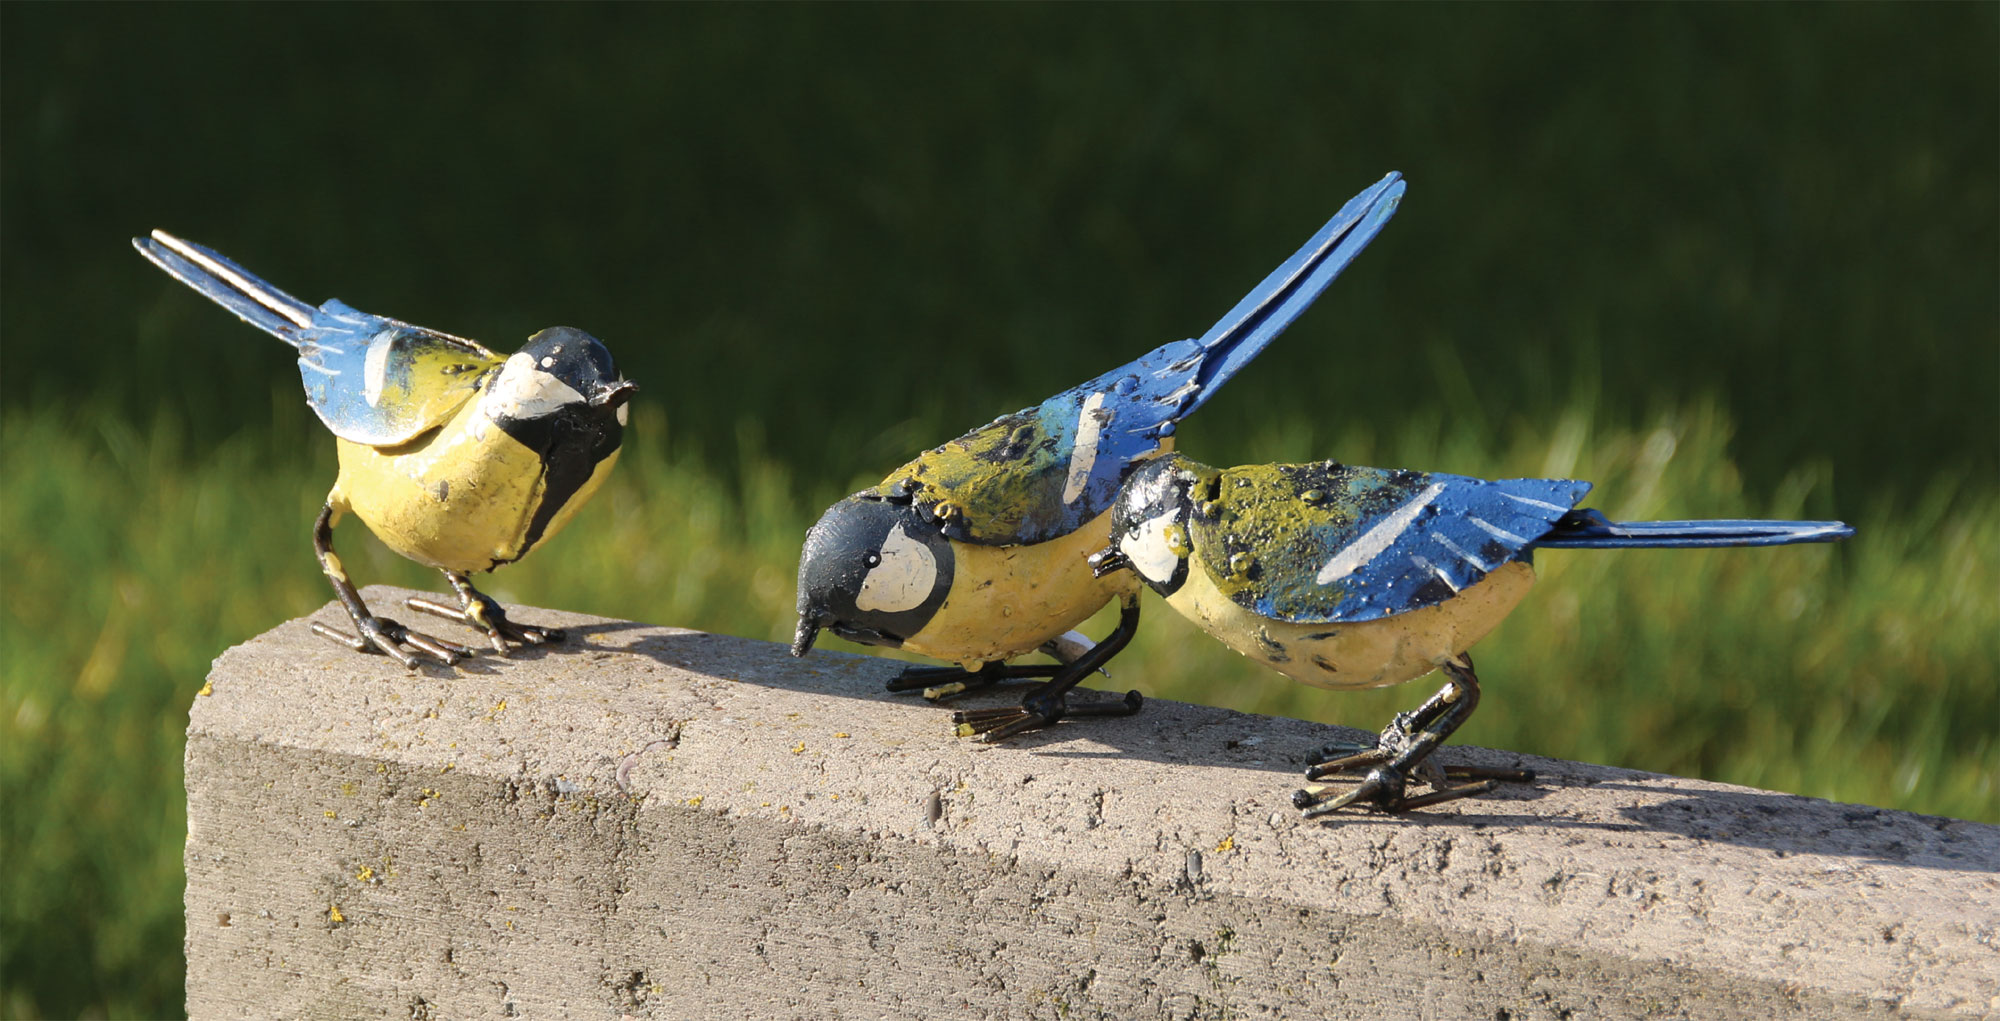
836 223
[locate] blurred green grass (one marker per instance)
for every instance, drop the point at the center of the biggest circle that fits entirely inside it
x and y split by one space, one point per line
1861 673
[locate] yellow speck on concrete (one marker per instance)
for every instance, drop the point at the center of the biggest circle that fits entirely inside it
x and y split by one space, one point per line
364 874
799 749
206 689
331 814
695 801
333 914
1228 844
841 733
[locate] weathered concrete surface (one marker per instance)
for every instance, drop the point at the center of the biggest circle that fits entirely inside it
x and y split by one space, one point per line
662 823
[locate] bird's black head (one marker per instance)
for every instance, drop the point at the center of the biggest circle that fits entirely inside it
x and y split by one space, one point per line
873 571
560 388
1149 525
563 366
561 397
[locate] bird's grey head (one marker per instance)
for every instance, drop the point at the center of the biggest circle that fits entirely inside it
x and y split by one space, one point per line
1149 532
873 571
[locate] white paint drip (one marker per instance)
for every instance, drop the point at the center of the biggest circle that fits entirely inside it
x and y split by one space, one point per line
904 578
1425 563
1461 554
1496 531
1370 545
1083 457
1543 504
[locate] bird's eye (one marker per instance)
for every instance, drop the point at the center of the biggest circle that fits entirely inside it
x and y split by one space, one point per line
873 559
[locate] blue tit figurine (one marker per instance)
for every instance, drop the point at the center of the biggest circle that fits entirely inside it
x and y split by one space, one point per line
1345 577
975 551
455 457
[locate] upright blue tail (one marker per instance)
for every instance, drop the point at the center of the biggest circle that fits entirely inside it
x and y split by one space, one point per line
1290 289
229 285
1588 529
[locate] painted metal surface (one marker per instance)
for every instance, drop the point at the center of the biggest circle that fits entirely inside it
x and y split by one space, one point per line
1029 484
456 458
1327 542
370 379
1043 471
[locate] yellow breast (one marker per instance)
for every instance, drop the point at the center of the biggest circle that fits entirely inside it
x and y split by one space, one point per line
458 499
1371 654
1007 600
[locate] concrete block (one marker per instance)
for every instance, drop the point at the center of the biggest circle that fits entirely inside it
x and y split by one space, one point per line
654 822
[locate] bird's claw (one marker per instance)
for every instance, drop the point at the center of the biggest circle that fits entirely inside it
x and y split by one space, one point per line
999 724
1348 758
995 725
1383 787
1386 786
486 615
380 634
938 683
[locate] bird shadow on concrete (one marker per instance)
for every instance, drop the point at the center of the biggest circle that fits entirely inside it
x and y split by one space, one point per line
1197 737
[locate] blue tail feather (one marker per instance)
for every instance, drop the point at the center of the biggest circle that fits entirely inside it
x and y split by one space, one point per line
1588 529
1286 292
229 285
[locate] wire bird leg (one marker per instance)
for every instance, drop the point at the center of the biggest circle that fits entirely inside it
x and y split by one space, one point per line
1404 748
1049 702
374 634
940 683
478 610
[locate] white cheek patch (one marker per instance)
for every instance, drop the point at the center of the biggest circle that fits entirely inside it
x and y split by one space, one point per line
624 412
525 392
1151 555
904 578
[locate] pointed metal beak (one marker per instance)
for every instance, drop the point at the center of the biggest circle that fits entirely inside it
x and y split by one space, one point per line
1107 560
802 641
611 397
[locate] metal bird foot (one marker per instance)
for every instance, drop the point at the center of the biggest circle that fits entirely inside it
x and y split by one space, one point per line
1403 750
482 613
999 724
1384 785
939 683
380 634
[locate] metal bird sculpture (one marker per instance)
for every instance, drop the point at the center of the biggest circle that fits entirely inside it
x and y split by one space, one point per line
456 457
1346 577
974 552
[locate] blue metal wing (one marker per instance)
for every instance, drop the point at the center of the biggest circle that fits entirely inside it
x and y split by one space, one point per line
1325 543
1045 471
371 379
